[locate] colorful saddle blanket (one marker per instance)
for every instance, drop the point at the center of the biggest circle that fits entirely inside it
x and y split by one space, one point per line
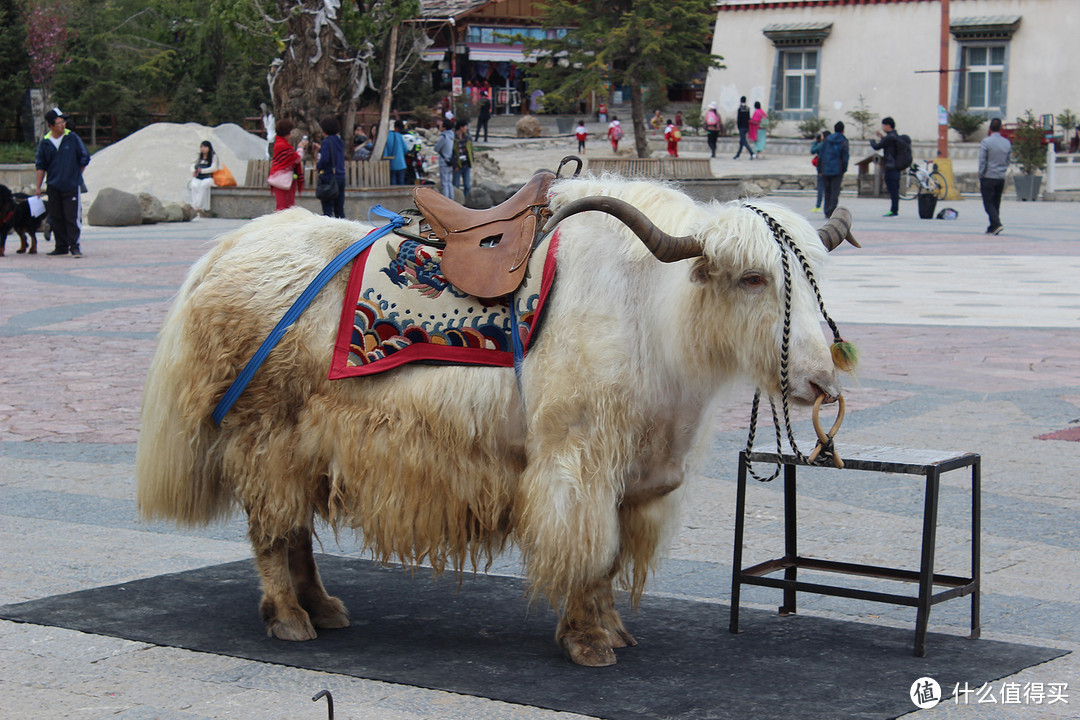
400 309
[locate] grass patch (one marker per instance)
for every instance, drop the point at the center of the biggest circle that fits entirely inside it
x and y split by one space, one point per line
16 153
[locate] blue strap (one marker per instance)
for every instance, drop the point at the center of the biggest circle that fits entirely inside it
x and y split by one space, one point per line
301 304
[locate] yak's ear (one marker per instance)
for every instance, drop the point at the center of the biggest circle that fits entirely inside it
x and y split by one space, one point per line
701 271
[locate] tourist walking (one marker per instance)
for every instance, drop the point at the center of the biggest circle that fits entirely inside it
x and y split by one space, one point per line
834 162
615 133
994 154
288 164
444 148
757 130
331 162
714 126
815 150
742 121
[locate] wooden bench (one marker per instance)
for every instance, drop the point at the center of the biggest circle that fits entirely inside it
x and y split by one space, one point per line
669 168
358 174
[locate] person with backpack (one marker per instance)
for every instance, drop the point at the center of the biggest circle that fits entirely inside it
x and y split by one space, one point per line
833 161
714 126
742 121
896 150
463 156
615 133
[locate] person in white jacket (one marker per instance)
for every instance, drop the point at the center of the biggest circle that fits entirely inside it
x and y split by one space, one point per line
202 177
444 148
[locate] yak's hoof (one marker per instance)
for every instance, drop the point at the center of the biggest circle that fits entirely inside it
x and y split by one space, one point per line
590 654
620 638
296 631
293 626
329 613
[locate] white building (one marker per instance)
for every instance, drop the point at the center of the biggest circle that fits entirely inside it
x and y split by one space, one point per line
816 57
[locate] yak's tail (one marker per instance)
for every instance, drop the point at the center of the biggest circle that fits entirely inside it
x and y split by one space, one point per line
175 476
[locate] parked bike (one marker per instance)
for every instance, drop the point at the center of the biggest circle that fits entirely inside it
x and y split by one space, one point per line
918 180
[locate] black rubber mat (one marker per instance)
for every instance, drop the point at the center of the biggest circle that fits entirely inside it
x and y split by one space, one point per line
484 639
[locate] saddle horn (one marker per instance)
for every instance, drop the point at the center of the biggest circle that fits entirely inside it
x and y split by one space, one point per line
837 230
570 159
666 248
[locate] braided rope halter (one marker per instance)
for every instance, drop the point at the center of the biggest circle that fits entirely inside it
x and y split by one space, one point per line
825 449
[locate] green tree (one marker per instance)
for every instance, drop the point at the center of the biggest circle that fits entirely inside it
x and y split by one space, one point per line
14 61
638 43
112 64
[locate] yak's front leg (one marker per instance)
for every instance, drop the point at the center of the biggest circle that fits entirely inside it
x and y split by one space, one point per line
280 607
323 610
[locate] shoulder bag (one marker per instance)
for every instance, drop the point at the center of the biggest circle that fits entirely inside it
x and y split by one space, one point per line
326 187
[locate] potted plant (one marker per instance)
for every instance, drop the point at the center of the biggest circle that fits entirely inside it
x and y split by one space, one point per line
1029 154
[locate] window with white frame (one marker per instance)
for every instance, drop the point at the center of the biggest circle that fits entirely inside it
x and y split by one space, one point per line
795 77
799 83
982 81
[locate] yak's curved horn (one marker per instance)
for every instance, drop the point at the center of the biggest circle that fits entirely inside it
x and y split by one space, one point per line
837 230
666 248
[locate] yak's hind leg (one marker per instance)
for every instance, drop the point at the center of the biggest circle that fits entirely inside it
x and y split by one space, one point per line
323 610
294 600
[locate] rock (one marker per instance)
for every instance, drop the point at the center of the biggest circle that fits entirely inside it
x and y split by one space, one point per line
177 212
152 210
751 189
528 127
479 199
115 208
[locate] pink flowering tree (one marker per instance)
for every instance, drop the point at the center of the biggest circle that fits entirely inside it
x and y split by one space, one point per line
47 35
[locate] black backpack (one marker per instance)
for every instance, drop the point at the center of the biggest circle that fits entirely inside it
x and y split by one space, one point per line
903 152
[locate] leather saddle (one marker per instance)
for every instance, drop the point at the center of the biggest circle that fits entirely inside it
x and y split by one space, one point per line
487 251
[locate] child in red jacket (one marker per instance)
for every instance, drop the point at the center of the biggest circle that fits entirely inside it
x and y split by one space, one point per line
673 135
581 134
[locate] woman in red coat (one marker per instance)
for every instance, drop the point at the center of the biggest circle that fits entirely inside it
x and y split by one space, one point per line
289 160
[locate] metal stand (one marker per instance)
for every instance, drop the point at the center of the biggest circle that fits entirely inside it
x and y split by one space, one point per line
929 463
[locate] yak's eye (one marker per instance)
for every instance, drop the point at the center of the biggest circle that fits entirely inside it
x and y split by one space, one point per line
753 280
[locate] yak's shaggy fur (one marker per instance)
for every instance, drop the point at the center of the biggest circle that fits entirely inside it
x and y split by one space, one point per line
448 464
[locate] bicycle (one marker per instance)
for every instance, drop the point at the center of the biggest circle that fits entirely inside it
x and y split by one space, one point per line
919 180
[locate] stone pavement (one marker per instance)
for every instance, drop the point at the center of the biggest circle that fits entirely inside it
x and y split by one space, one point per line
969 342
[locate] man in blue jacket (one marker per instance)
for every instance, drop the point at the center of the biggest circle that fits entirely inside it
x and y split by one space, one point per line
62 155
833 162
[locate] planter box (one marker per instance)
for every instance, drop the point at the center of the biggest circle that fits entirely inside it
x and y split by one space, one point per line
1027 186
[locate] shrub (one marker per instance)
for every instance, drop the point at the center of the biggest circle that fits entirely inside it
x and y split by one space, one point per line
693 118
811 126
965 123
774 118
863 117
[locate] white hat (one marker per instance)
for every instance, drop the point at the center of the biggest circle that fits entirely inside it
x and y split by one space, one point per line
712 105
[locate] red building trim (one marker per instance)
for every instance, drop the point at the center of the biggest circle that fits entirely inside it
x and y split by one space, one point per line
795 5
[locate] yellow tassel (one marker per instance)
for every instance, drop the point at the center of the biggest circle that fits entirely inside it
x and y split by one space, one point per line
845 356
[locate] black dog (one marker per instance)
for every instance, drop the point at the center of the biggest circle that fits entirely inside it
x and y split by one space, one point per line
15 215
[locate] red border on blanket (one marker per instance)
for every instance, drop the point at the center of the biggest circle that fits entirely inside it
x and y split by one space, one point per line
339 367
